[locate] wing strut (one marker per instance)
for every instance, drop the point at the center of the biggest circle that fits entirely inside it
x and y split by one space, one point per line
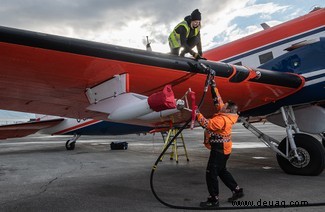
267 140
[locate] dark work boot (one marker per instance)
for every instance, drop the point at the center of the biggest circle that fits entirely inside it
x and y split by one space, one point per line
236 195
210 203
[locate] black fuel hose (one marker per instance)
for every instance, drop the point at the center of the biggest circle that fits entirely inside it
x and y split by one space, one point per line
210 73
154 167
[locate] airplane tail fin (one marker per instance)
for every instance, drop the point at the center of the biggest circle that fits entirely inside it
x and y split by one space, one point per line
27 128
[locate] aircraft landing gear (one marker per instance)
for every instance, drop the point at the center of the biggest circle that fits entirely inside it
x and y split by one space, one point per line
323 139
311 156
70 144
298 153
304 153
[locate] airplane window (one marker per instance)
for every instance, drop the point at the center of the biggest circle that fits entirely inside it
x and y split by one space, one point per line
265 57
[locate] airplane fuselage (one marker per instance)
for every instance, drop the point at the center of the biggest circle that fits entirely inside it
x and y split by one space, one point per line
296 46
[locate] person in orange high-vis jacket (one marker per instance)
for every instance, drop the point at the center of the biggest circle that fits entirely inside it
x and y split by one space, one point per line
217 137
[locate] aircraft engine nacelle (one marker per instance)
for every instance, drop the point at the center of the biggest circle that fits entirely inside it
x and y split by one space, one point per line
131 110
112 97
160 104
140 110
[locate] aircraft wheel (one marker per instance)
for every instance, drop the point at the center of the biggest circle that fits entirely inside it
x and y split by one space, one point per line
323 140
70 145
311 152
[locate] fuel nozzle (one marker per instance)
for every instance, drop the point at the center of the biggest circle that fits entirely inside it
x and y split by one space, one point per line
210 72
207 69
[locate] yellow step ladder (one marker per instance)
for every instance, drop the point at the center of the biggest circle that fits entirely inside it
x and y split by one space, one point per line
174 153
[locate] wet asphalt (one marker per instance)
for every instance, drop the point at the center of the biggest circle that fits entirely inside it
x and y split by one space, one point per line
37 173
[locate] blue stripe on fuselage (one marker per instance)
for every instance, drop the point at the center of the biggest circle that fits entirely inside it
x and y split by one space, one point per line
110 128
273 45
307 60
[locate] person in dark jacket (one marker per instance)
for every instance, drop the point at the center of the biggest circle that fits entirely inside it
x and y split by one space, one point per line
186 35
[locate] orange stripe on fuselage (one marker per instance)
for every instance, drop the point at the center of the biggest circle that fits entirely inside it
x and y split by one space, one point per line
91 122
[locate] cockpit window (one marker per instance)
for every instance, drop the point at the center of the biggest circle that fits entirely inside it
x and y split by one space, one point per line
265 57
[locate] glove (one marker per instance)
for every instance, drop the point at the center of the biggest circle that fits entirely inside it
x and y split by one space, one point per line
197 111
213 83
197 56
201 55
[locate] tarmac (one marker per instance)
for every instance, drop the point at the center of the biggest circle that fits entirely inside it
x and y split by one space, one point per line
37 173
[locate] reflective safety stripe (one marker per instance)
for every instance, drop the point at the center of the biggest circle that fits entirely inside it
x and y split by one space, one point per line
203 121
218 138
222 140
174 38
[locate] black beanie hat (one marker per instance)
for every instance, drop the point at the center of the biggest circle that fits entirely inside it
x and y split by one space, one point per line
196 15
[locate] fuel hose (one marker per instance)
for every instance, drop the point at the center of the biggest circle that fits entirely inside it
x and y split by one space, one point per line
210 73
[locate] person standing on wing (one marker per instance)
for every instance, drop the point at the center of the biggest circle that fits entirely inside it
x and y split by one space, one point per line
186 35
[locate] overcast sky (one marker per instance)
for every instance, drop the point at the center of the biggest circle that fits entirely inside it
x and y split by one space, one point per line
128 22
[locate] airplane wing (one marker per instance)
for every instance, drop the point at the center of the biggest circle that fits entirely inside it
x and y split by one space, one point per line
27 128
48 74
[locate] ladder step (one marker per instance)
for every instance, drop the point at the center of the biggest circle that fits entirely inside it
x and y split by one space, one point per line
174 149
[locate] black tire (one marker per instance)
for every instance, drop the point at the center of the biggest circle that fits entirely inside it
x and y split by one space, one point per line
70 145
323 140
312 152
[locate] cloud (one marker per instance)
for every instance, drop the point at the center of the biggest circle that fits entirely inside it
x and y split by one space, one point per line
128 22
238 20
93 19
89 12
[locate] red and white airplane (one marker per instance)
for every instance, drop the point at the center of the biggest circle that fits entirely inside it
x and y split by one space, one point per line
107 89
